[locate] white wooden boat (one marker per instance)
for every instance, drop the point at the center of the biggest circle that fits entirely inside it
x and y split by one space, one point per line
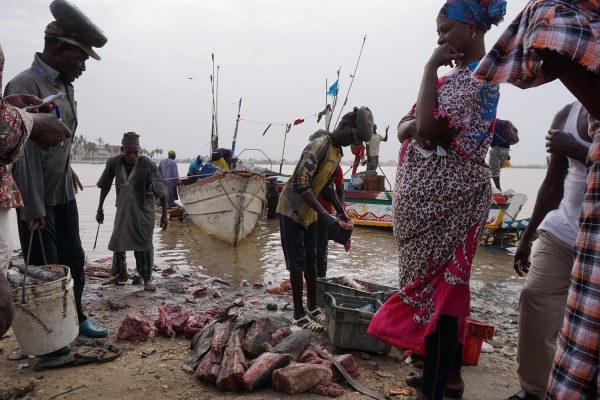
225 205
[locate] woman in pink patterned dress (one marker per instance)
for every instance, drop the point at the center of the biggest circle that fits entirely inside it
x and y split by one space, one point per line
442 198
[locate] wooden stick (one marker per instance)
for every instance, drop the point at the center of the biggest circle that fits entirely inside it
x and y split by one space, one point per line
66 392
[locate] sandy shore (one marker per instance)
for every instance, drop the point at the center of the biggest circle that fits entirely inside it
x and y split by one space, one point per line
160 374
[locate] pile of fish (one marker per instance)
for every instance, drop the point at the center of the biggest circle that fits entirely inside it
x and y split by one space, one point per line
35 275
134 327
174 318
245 351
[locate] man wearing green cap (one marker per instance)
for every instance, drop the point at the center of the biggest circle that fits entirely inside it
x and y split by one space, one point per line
299 209
45 178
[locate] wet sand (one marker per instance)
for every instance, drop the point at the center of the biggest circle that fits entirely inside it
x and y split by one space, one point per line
160 374
195 257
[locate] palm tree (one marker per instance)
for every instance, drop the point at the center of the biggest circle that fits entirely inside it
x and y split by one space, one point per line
108 149
100 141
91 148
77 149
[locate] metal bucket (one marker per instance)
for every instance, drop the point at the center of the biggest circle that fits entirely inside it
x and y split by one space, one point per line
45 315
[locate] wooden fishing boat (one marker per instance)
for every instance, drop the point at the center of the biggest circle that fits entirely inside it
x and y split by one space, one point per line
502 228
225 205
369 208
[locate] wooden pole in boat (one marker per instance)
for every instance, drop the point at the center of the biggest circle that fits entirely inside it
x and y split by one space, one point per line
212 85
352 80
387 180
329 117
326 94
237 123
217 109
283 150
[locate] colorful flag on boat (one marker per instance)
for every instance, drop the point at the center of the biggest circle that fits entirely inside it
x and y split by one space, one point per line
333 89
298 121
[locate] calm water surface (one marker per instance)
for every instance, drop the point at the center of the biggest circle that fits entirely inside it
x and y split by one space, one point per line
259 257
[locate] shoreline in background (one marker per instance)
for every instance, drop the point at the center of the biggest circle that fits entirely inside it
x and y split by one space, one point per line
388 163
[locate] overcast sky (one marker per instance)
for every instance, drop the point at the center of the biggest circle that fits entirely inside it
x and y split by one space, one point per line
276 55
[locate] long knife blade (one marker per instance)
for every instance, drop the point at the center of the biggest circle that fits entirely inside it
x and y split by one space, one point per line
96 241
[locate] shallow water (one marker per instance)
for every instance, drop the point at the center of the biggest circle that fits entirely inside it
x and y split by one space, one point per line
260 259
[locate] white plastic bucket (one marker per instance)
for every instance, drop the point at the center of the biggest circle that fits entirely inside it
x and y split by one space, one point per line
47 320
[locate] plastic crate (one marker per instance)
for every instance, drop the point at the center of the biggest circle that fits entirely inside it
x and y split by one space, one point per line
333 285
347 324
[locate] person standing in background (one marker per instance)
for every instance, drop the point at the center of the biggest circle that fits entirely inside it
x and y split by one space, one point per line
168 171
138 185
499 148
45 178
194 169
358 149
225 161
373 148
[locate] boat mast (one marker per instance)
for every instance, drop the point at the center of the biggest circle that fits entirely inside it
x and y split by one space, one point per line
237 123
329 113
217 110
283 150
352 80
214 138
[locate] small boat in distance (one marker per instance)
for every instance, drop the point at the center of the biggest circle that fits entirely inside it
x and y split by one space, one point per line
225 205
373 208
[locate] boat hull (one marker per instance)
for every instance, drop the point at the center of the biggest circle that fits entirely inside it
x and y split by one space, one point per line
368 208
502 229
225 205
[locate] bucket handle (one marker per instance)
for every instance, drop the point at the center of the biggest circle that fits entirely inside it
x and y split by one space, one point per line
27 259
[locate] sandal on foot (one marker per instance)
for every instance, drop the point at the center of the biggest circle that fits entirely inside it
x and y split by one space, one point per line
452 393
99 354
523 395
415 380
307 323
117 280
148 287
316 315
